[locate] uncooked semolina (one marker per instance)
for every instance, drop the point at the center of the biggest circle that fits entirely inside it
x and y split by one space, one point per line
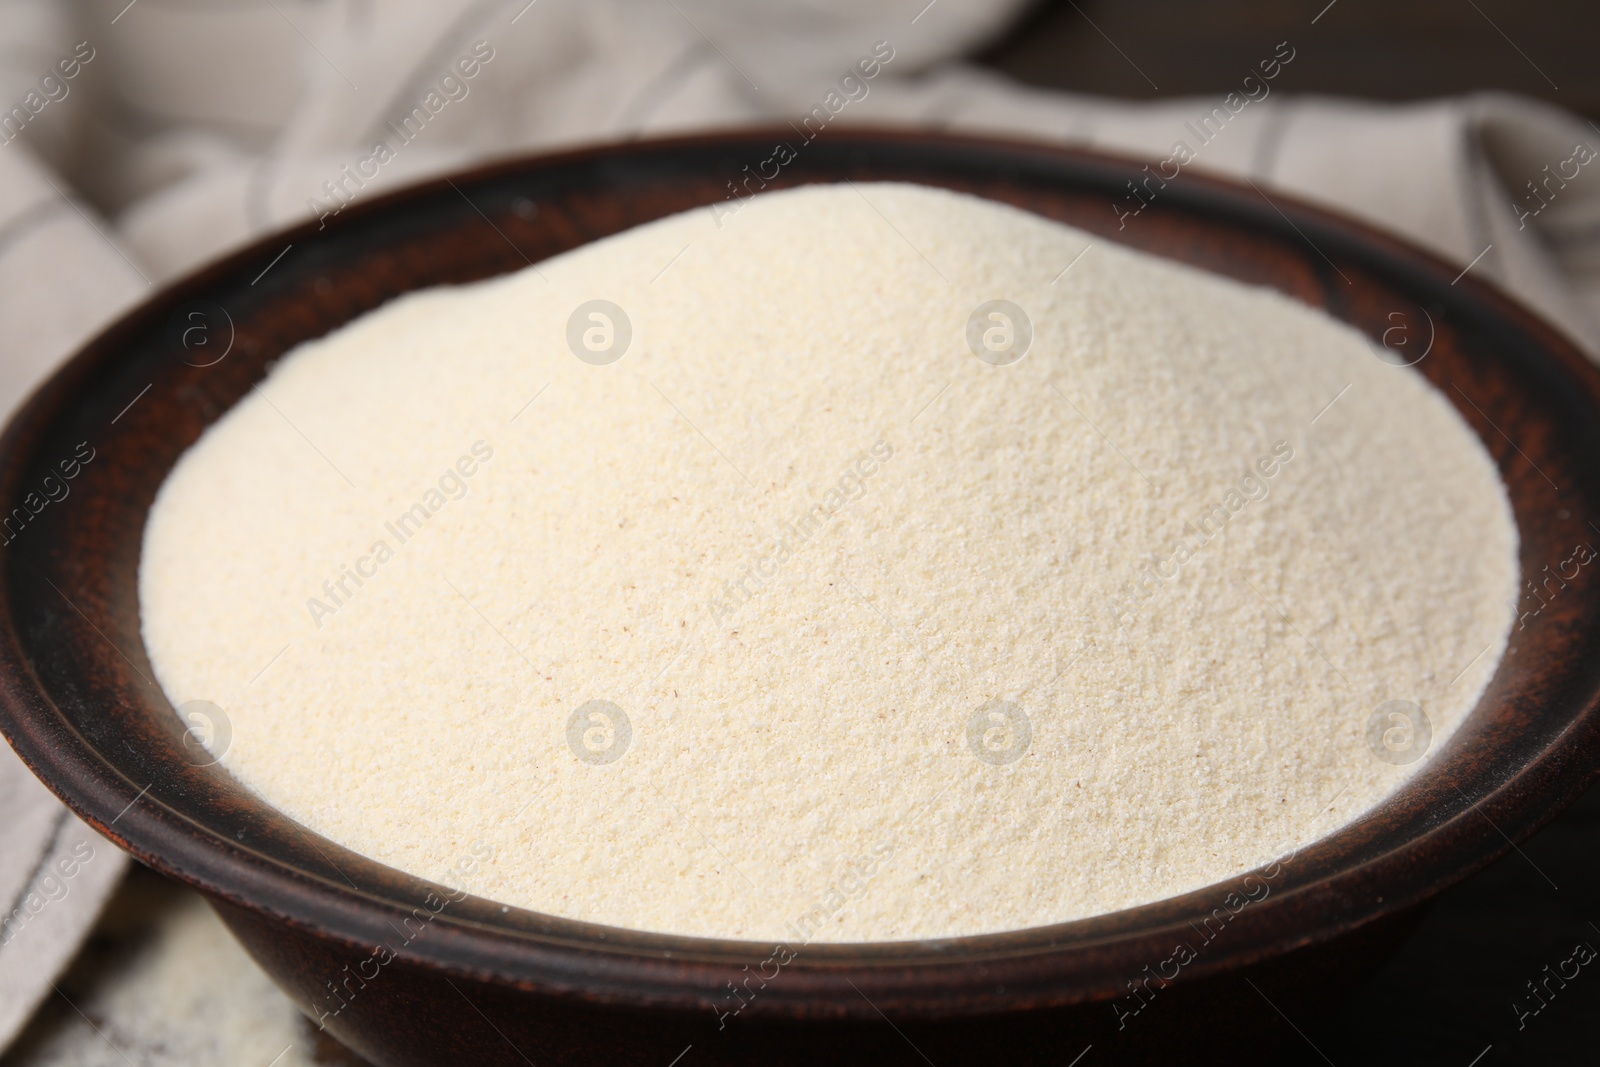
843 572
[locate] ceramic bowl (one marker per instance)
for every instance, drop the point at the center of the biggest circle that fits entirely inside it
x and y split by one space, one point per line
404 977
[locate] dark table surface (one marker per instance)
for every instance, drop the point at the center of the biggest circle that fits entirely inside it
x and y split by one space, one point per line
1377 49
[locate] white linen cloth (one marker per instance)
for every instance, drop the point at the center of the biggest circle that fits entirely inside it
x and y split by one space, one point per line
141 139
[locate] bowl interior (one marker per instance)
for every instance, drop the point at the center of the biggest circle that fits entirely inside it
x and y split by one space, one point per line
80 705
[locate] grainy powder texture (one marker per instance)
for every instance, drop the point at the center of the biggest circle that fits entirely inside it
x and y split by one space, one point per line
909 644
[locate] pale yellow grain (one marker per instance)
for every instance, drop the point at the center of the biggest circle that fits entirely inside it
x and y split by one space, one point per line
823 724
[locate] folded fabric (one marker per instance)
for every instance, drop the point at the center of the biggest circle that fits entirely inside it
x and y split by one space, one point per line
55 875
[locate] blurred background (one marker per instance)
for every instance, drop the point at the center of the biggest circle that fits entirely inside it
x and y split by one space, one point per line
196 126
